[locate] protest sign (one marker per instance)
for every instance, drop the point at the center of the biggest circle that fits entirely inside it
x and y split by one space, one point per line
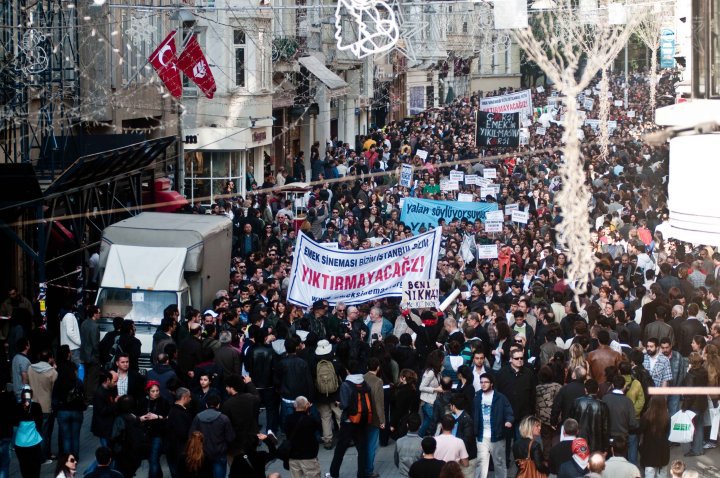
540 89
483 182
406 175
418 294
498 129
447 185
526 123
417 213
518 102
520 216
524 137
457 176
588 104
493 226
422 154
494 216
510 208
618 102
540 131
471 179
490 173
630 114
488 251
588 92
486 191
465 197
354 277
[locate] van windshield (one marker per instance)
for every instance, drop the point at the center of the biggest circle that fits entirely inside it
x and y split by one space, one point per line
142 306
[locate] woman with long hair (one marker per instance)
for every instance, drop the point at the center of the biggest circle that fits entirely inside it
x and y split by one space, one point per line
577 359
502 346
193 460
66 466
154 410
528 446
405 401
654 445
451 469
430 387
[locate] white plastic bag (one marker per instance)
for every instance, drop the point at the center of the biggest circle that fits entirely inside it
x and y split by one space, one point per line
714 418
681 427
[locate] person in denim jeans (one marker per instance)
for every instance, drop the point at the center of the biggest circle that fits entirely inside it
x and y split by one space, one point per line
218 432
697 376
429 388
7 402
68 405
153 411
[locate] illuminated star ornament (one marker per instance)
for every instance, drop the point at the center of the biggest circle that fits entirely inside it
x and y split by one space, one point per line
410 30
377 28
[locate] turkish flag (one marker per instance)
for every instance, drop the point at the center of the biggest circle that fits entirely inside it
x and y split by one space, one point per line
164 60
192 62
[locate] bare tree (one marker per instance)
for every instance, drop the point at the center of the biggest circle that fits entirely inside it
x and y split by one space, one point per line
571 45
604 115
649 30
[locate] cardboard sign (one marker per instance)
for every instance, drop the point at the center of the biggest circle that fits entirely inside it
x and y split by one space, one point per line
494 216
420 293
457 176
406 174
493 226
471 179
510 208
488 251
422 154
520 216
465 197
490 173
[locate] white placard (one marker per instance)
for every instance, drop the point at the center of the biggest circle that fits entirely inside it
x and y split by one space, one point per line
526 123
493 227
486 251
457 176
482 182
494 216
520 216
490 173
630 114
447 185
422 154
588 92
618 102
420 293
485 192
465 197
406 174
588 104
510 208
540 89
580 134
610 95
540 131
471 179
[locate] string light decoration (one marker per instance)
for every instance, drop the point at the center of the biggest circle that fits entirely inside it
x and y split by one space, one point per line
377 27
560 40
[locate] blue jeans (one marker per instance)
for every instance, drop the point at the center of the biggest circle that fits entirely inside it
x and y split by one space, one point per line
5 457
69 425
673 404
156 449
373 433
633 449
286 409
427 413
219 467
699 435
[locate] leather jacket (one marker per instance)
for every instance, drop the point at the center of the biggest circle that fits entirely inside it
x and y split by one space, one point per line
600 359
259 365
593 417
466 432
293 378
696 377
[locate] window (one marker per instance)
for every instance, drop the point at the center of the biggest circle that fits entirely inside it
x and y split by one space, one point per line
136 48
239 44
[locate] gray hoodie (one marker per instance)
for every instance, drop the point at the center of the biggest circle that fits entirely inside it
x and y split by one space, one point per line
217 430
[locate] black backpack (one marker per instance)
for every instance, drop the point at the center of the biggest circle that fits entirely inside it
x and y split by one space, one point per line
133 440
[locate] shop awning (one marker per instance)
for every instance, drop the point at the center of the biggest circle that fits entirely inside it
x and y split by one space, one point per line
335 84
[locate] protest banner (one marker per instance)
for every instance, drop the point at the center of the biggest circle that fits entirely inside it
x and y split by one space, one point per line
417 213
465 197
406 174
498 129
457 176
493 226
520 216
518 102
471 179
354 277
418 294
422 154
494 216
490 173
488 251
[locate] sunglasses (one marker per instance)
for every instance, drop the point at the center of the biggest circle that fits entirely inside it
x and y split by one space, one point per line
72 460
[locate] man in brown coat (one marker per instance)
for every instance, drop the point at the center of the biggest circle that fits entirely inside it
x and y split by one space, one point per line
602 357
378 412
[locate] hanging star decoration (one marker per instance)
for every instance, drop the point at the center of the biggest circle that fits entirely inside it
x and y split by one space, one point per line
377 28
139 30
411 30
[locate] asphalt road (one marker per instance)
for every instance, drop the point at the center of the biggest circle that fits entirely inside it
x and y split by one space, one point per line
707 464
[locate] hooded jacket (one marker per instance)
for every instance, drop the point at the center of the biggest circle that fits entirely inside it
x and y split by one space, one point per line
42 377
218 432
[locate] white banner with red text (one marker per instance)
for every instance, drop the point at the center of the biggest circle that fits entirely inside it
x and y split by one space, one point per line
354 277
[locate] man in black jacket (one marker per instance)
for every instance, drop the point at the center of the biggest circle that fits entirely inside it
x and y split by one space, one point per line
190 353
293 379
260 364
242 408
301 430
177 429
593 417
562 452
691 327
565 398
104 407
465 430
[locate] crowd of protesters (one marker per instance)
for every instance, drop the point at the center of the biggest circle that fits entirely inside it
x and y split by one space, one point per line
518 367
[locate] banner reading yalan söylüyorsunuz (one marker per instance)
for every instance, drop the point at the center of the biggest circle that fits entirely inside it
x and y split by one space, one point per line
417 213
354 277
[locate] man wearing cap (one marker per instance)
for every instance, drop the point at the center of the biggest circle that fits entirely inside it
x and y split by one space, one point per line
577 465
317 319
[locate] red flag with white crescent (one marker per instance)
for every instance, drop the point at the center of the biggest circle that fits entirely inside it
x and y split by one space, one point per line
192 62
164 60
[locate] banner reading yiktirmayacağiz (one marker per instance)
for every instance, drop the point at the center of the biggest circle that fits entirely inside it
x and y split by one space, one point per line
417 213
518 102
354 277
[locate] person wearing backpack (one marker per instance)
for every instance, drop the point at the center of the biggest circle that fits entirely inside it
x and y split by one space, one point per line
327 383
357 415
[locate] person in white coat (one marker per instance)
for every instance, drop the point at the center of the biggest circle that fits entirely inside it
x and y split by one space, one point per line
70 335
